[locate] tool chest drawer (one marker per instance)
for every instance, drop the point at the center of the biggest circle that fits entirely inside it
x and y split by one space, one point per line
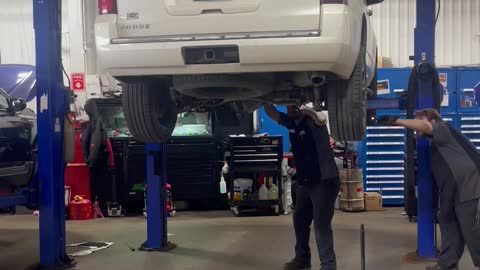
384 160
470 127
253 152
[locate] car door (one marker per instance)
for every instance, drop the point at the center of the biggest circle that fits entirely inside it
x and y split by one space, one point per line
16 162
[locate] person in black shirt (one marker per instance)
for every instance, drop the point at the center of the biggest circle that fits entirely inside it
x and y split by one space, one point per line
318 184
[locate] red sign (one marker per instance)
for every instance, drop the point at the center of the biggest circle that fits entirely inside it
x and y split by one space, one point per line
78 81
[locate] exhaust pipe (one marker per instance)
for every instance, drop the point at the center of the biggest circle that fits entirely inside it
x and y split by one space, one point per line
317 79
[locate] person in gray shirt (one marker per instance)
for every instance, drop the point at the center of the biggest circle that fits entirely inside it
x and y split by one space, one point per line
455 165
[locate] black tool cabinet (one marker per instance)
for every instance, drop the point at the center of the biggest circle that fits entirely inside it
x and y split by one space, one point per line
129 158
249 157
191 169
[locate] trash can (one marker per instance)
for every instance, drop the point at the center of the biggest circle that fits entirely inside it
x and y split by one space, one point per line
352 197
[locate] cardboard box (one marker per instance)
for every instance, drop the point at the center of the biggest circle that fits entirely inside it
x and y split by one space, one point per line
373 201
384 62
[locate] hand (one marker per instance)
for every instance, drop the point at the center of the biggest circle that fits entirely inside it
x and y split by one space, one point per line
390 120
318 118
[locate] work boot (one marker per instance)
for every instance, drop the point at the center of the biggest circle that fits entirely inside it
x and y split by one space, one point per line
296 265
439 267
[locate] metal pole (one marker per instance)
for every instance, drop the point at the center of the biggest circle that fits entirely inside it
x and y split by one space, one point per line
425 51
154 210
362 246
163 197
51 108
157 233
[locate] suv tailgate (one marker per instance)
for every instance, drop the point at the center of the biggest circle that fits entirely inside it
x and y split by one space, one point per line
144 18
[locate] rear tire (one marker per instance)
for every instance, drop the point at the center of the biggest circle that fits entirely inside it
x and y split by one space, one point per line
347 102
150 111
372 114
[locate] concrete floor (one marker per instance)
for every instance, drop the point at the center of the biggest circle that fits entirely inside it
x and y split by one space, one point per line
216 240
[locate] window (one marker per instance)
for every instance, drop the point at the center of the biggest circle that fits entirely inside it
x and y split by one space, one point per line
188 123
113 120
193 124
4 103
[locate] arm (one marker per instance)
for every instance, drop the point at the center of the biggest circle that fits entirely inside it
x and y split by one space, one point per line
272 112
279 117
417 125
318 118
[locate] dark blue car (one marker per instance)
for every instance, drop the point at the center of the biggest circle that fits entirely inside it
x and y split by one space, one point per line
17 126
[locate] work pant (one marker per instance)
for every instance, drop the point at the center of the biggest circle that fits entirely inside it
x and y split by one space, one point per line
459 226
100 186
317 203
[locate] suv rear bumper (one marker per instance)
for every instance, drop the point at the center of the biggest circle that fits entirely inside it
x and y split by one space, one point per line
332 51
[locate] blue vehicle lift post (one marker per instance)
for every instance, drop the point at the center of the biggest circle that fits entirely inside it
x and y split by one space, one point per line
425 51
421 94
51 109
157 233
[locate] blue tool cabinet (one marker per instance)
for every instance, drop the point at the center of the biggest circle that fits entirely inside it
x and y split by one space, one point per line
468 93
384 163
468 88
469 125
385 148
448 79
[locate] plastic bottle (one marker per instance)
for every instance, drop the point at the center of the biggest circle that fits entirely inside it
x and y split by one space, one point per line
225 168
246 195
223 185
263 193
273 192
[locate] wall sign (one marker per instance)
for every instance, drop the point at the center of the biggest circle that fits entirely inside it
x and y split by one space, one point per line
78 81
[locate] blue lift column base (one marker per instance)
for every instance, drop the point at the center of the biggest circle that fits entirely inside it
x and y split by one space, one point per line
414 258
167 247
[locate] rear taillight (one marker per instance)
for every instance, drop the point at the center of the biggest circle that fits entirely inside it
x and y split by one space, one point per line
107 7
344 2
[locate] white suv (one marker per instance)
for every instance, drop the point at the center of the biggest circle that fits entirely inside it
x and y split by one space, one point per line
186 55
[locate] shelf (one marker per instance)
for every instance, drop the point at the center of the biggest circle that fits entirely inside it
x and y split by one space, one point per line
254 203
470 118
255 169
386 169
400 161
385 153
383 127
385 135
385 143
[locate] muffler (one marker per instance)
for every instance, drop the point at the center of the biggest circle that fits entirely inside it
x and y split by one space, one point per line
317 79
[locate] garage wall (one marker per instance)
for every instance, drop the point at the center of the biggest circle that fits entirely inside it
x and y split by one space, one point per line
458 32
16 32
457 37
17 36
